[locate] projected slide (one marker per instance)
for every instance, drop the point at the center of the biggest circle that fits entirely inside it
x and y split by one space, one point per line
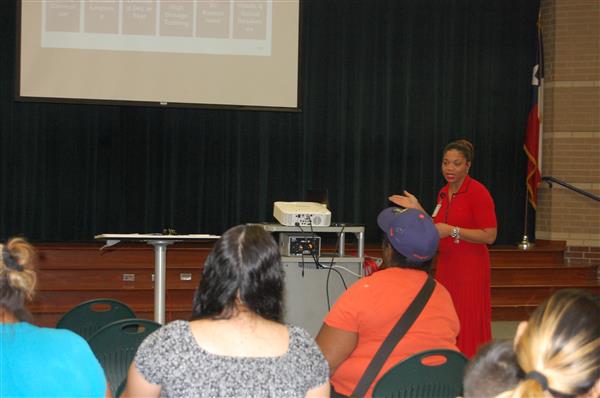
241 53
203 27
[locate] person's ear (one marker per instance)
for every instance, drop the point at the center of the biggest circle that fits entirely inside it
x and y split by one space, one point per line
386 254
519 333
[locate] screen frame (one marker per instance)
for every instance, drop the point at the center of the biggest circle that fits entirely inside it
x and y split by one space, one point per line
153 104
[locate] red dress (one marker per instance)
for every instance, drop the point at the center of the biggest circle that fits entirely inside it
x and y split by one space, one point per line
464 267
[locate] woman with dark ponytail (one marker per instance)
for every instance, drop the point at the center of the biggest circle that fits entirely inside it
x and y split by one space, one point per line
465 218
236 344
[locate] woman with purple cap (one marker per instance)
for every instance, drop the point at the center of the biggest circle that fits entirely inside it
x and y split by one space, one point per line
465 218
364 315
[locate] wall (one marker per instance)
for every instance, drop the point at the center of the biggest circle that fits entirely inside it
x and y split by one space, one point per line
382 93
571 127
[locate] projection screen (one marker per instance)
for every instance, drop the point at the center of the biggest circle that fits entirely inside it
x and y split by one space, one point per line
237 53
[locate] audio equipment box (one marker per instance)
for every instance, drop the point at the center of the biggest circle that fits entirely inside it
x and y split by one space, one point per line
299 244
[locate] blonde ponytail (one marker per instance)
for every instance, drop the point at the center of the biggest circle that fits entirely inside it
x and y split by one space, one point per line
559 350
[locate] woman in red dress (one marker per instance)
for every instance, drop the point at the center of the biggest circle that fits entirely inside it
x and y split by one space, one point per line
466 221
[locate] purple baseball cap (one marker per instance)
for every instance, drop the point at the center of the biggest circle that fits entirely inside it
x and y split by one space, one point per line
411 232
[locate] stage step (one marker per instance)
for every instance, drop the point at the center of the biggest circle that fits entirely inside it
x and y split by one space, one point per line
544 253
546 274
522 279
70 274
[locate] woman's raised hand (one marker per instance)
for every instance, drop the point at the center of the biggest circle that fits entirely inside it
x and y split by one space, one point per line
407 200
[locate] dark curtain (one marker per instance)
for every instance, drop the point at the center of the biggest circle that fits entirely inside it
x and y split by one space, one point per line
385 84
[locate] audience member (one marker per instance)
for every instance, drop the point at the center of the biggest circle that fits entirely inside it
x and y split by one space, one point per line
558 350
363 316
236 344
35 361
492 370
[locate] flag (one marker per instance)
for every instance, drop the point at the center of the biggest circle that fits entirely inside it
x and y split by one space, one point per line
533 131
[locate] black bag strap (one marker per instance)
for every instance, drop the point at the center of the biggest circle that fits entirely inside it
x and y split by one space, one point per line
395 335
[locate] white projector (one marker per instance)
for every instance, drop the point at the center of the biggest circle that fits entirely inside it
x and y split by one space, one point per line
304 214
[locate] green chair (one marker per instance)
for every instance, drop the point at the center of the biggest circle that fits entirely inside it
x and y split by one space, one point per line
414 378
121 388
87 317
115 346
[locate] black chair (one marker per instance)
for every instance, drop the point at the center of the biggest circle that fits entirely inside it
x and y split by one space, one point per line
86 318
115 346
121 388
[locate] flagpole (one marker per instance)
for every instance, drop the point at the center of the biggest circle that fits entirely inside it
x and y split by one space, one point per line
525 243
533 144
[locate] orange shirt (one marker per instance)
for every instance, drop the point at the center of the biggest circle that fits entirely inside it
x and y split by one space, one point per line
372 306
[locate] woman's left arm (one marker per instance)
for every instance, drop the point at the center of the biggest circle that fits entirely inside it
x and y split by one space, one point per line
336 345
483 235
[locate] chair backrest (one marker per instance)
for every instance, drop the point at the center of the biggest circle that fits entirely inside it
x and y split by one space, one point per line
115 346
121 388
86 318
432 373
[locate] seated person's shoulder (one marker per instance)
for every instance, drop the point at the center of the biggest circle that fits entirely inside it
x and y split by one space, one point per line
56 336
